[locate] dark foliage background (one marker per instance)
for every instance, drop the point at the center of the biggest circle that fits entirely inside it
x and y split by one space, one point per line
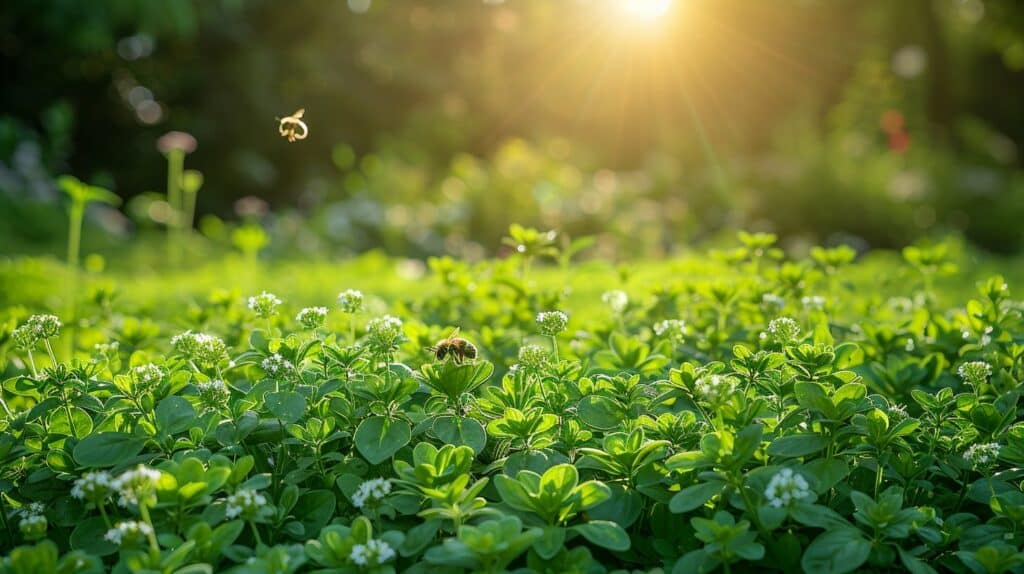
765 114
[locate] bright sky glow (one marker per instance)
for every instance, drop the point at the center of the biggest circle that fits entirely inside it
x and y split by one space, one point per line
648 10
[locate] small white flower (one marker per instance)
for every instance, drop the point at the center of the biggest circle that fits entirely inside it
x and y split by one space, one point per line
784 329
312 317
909 346
265 304
136 485
552 322
130 533
33 526
371 491
385 333
277 366
982 454
773 301
671 329
785 487
975 372
32 509
93 486
148 374
813 302
200 347
213 394
247 503
714 388
533 357
373 553
350 300
617 300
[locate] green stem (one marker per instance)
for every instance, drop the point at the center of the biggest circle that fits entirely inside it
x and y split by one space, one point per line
151 535
49 349
256 533
32 363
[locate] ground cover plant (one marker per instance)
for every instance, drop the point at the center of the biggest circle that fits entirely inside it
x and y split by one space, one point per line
772 419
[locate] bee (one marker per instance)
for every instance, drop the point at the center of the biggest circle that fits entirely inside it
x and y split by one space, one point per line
454 346
287 126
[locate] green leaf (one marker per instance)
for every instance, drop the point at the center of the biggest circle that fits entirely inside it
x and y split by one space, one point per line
107 449
694 496
461 432
604 534
550 542
174 414
378 437
797 445
836 552
599 412
289 406
88 536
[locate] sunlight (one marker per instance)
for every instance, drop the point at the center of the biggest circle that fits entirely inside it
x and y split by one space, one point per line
646 10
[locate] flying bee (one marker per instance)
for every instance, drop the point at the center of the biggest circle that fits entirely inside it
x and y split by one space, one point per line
454 346
287 126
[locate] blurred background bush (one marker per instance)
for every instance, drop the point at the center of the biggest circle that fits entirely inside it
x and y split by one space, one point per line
434 125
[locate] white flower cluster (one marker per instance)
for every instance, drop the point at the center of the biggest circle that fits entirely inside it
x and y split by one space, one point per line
813 302
350 300
616 300
247 503
773 301
213 394
373 490
35 329
785 487
200 347
265 304
714 388
33 526
385 332
671 329
277 366
783 330
533 357
373 553
552 323
982 454
129 533
135 485
975 372
312 317
146 375
94 487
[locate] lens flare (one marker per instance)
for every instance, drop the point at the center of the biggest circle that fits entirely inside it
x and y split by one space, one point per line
646 9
